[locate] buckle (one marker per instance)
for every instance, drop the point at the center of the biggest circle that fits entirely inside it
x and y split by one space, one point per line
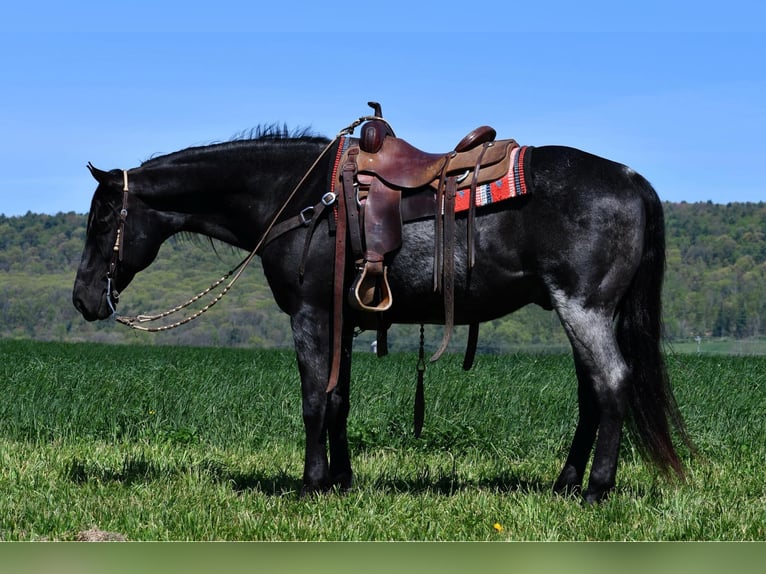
361 195
306 215
329 198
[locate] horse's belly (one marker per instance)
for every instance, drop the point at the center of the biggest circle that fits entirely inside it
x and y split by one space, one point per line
493 297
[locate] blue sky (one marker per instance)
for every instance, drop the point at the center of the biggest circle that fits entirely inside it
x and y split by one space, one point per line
676 90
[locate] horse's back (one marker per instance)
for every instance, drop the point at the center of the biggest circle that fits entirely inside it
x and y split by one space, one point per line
578 231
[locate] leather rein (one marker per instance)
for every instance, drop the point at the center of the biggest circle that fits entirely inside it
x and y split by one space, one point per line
136 322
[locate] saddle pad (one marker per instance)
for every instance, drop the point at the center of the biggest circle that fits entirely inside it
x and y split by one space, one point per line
512 185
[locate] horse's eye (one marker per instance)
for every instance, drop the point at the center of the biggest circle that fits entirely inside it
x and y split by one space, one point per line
99 221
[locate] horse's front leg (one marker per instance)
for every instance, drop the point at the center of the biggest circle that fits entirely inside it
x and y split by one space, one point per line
337 417
311 333
323 413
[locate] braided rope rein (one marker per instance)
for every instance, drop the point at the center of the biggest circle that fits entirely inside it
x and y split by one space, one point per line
135 322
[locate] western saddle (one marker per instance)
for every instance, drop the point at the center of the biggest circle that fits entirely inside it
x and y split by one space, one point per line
381 171
384 181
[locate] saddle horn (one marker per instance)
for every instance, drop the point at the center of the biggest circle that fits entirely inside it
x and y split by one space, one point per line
378 112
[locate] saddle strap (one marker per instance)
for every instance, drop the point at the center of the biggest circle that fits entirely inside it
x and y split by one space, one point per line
317 213
349 187
448 266
470 348
344 227
472 210
439 233
420 400
309 217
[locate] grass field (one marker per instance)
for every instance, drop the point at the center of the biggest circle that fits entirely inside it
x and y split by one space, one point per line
166 443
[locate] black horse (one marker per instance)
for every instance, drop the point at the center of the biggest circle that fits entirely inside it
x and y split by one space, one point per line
587 240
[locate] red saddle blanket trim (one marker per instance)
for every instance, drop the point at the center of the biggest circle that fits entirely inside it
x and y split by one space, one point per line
512 185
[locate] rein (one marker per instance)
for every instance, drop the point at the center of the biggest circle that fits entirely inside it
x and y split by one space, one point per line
135 322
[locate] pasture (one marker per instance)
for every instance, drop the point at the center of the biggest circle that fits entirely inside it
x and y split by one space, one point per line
172 443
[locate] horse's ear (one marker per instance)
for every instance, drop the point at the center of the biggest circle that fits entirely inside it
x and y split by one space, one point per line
99 175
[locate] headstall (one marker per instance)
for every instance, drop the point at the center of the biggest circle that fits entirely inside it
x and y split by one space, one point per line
117 250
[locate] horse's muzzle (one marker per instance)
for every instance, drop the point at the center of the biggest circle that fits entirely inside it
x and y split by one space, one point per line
92 307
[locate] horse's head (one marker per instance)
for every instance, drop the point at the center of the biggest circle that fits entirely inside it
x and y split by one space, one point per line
123 237
223 191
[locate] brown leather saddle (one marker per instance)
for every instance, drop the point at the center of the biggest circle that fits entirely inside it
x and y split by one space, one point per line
378 171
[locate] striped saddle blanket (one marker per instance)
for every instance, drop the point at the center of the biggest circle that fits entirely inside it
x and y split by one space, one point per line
513 184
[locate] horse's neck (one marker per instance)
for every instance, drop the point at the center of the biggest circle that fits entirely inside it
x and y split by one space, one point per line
236 215
227 201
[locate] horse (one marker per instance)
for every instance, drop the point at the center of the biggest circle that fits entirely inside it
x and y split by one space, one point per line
587 241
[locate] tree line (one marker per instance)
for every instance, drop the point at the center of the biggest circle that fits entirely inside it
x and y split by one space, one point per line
716 267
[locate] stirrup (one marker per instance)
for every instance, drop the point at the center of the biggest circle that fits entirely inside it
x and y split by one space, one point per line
364 291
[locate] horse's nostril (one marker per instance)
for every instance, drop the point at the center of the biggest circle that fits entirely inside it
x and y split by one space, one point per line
79 303
80 306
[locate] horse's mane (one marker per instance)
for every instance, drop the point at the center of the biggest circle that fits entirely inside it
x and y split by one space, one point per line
266 133
277 132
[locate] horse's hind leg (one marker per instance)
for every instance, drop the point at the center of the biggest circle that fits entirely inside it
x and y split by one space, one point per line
603 379
571 477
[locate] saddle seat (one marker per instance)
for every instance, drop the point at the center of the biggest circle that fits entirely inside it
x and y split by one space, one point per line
401 165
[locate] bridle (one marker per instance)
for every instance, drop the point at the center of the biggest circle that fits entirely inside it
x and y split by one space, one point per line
118 249
119 246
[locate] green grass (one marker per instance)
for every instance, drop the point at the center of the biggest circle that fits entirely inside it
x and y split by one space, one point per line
721 346
168 443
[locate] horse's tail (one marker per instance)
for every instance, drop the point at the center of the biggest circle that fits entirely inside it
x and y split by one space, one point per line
653 412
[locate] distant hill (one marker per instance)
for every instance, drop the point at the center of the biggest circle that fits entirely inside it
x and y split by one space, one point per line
716 270
714 287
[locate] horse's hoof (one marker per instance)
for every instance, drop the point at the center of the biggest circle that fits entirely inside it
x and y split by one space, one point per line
343 482
567 490
308 490
594 496
568 483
